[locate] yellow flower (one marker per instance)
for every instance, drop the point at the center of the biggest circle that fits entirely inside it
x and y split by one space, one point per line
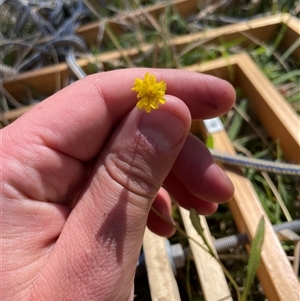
149 92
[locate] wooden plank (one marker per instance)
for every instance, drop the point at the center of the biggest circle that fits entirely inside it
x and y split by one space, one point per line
45 81
213 281
261 29
161 279
16 113
90 31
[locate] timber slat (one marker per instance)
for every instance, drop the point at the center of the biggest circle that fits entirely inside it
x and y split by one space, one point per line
213 281
161 279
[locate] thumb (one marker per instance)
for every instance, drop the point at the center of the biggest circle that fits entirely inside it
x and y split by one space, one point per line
103 235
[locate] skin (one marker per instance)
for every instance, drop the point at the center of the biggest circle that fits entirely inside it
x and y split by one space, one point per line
80 172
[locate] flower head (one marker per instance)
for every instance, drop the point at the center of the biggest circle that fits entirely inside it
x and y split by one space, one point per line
149 92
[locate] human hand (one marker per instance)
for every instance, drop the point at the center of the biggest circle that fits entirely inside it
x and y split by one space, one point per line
80 172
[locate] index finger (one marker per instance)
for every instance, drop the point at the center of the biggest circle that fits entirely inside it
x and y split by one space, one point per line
77 120
205 95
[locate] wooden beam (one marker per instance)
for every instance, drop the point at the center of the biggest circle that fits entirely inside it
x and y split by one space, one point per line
213 281
161 279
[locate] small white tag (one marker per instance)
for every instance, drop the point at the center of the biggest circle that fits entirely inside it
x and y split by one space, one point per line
214 125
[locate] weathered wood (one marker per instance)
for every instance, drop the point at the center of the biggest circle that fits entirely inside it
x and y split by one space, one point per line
213 281
161 279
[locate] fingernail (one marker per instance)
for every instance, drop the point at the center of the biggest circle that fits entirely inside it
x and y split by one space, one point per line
162 128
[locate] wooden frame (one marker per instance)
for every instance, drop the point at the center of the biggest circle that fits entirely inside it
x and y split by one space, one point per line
275 273
259 29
